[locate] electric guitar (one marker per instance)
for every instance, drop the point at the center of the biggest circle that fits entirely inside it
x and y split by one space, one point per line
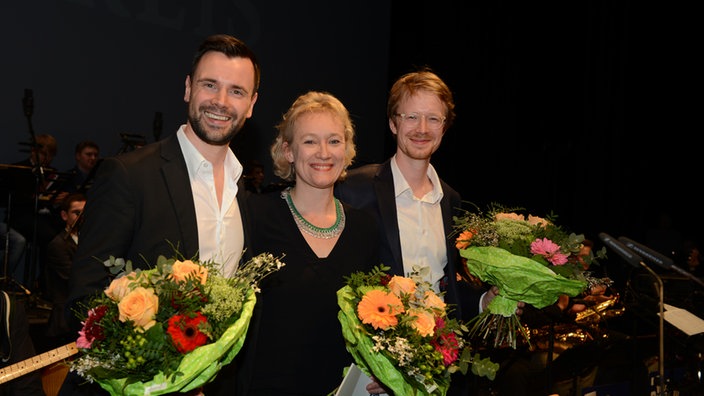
36 362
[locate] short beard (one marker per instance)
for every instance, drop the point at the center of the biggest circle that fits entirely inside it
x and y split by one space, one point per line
200 130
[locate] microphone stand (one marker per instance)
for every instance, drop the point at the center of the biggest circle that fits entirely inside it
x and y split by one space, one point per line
661 336
28 105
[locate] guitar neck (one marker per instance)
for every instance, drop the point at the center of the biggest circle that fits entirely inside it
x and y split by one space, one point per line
36 362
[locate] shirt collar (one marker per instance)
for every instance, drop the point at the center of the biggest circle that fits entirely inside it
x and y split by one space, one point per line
194 159
401 185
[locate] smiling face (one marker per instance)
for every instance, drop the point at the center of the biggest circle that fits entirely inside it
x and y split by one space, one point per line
317 149
220 96
418 140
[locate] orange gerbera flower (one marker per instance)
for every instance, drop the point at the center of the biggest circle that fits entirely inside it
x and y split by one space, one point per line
379 309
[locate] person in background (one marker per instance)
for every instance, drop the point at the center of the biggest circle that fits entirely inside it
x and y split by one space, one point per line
253 176
32 211
80 178
59 258
184 191
412 206
295 345
14 257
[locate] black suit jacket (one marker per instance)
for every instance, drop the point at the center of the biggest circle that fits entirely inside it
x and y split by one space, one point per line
371 187
59 259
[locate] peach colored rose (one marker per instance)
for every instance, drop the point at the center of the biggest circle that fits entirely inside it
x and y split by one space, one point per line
535 220
182 269
424 322
119 287
140 306
400 284
434 301
509 216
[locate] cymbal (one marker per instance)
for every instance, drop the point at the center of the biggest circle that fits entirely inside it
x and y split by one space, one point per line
18 167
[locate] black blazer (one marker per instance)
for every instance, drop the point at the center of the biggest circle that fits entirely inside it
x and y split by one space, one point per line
371 187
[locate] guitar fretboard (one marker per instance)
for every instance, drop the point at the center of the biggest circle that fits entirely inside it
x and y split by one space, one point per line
36 362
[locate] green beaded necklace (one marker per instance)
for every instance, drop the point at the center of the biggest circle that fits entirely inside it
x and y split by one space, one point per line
310 229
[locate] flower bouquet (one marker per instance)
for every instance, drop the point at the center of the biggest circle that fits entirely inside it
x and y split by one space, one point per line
529 259
398 331
167 329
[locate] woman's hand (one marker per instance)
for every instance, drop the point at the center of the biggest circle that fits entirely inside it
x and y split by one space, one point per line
375 388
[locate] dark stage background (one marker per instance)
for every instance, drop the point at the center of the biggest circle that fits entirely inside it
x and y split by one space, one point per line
570 107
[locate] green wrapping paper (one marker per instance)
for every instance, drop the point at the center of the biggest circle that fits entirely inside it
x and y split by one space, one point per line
518 279
198 367
375 364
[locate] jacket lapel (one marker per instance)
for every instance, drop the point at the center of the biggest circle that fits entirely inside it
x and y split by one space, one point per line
384 189
178 183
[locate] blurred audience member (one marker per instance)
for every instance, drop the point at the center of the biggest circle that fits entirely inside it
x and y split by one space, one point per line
31 211
60 252
253 176
79 178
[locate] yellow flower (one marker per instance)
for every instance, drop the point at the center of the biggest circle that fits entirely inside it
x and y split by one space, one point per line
400 284
424 322
119 287
433 301
140 306
379 309
182 269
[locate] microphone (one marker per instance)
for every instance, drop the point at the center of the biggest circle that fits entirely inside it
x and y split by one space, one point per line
626 253
158 125
28 102
648 253
659 259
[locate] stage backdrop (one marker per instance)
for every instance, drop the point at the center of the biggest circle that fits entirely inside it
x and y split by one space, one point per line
100 69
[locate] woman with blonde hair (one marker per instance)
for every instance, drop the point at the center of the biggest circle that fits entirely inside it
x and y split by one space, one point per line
295 344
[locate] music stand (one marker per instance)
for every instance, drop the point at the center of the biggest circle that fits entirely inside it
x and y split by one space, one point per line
13 179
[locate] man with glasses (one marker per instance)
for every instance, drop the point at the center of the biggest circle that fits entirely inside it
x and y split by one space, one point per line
412 206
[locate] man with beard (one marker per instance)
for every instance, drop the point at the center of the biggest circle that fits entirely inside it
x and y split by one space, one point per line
183 192
412 205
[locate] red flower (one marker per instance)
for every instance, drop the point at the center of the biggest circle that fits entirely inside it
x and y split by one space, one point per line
446 343
92 330
184 332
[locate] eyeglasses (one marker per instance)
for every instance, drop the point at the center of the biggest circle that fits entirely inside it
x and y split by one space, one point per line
433 121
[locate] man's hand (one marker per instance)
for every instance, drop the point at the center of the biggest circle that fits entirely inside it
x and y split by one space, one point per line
493 292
